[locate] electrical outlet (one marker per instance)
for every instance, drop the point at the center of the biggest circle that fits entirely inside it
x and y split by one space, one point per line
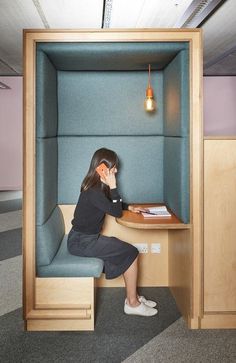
155 248
142 247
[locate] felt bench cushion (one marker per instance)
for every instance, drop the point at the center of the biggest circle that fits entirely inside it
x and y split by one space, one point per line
66 265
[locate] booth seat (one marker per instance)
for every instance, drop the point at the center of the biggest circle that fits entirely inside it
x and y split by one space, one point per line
71 124
65 283
53 258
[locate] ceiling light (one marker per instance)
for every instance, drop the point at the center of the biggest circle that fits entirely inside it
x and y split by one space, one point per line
149 103
197 12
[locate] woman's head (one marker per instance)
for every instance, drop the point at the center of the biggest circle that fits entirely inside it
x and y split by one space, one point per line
103 155
106 156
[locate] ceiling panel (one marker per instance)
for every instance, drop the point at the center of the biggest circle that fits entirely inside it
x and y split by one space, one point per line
224 67
5 70
146 13
219 33
73 13
15 16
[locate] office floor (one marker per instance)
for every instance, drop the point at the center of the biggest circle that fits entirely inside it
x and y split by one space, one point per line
117 338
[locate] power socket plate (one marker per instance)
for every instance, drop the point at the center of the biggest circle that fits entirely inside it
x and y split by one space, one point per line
155 248
142 247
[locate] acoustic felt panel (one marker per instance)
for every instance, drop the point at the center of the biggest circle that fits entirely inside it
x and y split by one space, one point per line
140 176
48 237
108 56
46 178
108 103
176 96
46 97
177 175
66 265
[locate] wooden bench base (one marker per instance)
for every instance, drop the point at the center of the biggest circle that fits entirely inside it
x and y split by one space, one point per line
59 325
62 304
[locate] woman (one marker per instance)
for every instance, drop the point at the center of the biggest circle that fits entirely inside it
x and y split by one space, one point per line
98 197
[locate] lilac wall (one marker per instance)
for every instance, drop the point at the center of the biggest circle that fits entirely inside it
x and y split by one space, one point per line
11 134
219 108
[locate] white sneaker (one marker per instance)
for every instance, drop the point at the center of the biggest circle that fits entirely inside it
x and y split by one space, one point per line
141 309
149 303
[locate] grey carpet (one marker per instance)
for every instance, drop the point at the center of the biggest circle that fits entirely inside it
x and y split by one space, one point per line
177 344
10 243
10 205
116 338
116 335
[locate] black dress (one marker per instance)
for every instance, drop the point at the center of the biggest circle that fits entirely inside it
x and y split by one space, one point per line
85 239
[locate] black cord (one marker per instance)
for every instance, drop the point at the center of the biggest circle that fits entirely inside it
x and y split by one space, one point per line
103 13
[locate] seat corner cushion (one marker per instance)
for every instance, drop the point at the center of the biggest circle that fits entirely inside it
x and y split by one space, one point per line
66 265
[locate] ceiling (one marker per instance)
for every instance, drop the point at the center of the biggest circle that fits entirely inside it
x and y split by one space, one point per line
217 18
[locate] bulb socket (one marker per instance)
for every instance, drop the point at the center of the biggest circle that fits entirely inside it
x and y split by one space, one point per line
149 92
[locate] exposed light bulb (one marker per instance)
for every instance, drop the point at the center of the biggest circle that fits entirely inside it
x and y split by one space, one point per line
149 103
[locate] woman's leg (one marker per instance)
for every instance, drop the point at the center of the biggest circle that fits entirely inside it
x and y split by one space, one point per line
130 278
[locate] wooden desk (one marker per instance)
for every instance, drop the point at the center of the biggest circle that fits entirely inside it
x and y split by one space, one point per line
136 220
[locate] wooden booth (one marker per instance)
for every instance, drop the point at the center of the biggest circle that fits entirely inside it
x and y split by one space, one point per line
84 90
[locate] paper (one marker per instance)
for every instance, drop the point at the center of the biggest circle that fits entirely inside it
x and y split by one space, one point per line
153 212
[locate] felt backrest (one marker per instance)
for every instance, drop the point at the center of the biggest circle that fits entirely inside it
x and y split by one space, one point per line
176 131
46 136
140 175
49 236
108 103
105 109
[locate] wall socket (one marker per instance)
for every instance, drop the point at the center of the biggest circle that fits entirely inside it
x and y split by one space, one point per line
155 248
142 247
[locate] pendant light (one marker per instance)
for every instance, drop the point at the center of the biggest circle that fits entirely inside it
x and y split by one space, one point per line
149 103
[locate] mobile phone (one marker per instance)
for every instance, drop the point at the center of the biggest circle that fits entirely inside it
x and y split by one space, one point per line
101 169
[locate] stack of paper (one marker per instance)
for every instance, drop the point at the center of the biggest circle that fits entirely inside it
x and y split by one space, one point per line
160 211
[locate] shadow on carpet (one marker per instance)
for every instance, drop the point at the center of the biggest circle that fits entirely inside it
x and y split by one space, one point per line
116 335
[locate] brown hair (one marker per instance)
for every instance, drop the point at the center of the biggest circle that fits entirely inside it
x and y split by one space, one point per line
92 179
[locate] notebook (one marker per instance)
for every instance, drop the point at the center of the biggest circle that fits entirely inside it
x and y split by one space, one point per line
154 212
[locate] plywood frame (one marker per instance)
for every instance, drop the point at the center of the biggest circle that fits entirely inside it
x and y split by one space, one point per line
193 36
219 283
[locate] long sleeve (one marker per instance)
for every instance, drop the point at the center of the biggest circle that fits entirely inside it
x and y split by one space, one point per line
125 206
112 207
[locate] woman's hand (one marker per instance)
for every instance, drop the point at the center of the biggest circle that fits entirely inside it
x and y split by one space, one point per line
109 178
136 209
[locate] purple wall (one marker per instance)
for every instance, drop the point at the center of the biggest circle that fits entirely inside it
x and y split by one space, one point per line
219 107
11 134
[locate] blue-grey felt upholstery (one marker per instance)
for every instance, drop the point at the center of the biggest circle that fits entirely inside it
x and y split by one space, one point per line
46 97
108 103
141 164
176 96
89 96
66 265
111 56
53 258
176 182
47 179
49 236
176 131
